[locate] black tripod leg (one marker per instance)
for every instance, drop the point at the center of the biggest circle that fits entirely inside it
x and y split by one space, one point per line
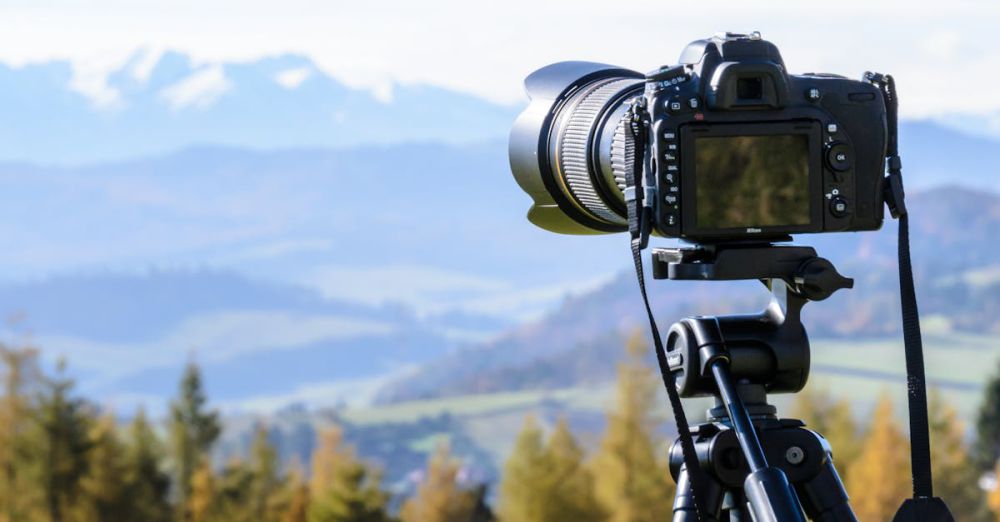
824 497
684 503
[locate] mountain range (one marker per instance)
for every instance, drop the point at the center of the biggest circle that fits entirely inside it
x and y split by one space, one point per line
261 216
159 103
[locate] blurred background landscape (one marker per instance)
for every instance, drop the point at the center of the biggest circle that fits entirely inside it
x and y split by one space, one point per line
310 209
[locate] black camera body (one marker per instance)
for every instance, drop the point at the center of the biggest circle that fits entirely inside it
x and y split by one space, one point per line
738 149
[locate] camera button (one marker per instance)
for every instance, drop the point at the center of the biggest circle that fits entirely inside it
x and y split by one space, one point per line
838 206
838 156
670 135
670 219
693 102
675 106
831 128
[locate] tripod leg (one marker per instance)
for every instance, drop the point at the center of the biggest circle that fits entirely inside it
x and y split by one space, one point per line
684 510
824 497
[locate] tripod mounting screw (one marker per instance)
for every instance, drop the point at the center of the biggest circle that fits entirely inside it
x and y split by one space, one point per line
795 455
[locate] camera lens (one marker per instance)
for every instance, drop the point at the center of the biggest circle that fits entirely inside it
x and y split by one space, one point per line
567 149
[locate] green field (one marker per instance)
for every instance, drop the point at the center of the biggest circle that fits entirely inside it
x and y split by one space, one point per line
957 366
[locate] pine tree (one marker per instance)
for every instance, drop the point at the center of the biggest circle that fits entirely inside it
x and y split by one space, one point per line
61 444
201 499
438 497
833 420
523 483
266 486
955 476
103 495
296 509
632 477
21 496
547 482
344 489
987 450
193 431
878 480
148 484
572 484
235 500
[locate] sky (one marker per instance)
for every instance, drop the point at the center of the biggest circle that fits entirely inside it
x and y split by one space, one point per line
944 54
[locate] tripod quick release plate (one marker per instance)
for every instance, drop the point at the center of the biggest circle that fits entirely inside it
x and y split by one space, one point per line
806 274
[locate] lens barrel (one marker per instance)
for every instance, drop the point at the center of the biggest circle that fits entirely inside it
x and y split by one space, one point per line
567 149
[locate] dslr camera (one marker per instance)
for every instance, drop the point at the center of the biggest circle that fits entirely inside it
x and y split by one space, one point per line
736 148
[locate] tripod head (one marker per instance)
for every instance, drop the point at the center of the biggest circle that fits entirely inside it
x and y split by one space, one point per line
769 348
738 358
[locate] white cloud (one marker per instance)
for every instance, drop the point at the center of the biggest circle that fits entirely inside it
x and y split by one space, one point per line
292 78
199 90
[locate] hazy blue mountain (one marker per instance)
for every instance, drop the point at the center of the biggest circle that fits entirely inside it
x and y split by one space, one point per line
126 337
264 216
170 103
955 245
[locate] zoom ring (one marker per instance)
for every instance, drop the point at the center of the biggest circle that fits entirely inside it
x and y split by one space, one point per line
574 149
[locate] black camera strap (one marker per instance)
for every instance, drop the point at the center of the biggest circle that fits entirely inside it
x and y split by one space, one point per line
640 208
923 505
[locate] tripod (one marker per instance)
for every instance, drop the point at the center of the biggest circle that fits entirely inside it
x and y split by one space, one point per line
758 466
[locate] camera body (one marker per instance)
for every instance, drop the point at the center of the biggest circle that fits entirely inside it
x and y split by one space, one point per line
829 133
738 149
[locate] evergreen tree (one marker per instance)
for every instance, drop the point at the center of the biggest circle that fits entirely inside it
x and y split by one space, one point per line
344 489
61 443
201 499
148 484
297 492
571 484
879 479
955 476
234 498
632 478
266 487
193 431
523 495
21 497
438 497
103 494
833 420
988 424
547 482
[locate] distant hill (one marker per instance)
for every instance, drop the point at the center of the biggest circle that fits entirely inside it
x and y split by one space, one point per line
260 344
955 243
434 231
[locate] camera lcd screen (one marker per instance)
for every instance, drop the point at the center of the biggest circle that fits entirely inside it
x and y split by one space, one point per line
752 181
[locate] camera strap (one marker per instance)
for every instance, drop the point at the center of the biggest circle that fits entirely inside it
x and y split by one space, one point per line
640 207
923 505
